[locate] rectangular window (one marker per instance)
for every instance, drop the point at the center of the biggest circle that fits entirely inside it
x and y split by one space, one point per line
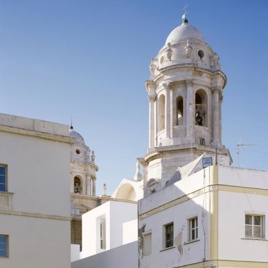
202 141
147 244
3 182
254 226
193 229
102 234
169 235
3 246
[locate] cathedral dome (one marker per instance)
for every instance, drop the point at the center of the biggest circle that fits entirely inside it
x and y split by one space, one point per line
184 32
78 138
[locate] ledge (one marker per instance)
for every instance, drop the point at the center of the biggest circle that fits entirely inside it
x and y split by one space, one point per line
190 242
165 249
6 200
254 239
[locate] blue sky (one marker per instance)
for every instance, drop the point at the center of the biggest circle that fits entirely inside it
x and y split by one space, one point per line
88 60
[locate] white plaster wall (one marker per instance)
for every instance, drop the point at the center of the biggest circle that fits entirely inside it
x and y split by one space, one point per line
37 155
243 177
183 253
35 242
116 214
89 229
190 184
120 257
38 173
75 252
121 212
232 210
130 231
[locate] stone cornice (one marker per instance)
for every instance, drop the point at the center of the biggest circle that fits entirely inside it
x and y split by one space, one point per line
83 164
37 134
158 151
35 215
187 66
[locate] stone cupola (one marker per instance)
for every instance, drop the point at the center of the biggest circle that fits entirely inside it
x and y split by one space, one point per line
83 167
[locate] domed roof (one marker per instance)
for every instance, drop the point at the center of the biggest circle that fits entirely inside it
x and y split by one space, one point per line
78 138
184 32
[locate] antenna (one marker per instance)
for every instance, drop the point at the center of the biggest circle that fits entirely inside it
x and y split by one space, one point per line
239 147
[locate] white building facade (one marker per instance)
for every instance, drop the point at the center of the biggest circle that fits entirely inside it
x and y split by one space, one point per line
197 211
34 193
108 226
216 217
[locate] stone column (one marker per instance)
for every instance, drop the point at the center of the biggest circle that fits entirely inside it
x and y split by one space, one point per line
173 113
151 90
216 116
190 108
220 111
88 178
93 187
167 110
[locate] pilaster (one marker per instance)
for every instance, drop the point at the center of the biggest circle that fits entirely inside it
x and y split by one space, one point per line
167 110
189 108
151 90
216 115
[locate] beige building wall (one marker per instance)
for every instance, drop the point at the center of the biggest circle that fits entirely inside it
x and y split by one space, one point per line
35 208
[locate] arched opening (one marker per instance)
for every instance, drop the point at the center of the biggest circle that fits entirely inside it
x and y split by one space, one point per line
127 192
161 113
77 185
179 111
200 107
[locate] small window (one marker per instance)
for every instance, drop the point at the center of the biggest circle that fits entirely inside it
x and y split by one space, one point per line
193 229
179 111
3 178
202 141
201 54
169 235
102 234
254 226
77 185
77 151
147 244
3 246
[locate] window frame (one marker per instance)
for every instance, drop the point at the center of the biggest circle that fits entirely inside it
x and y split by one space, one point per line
5 247
147 247
102 233
168 235
193 229
4 183
252 226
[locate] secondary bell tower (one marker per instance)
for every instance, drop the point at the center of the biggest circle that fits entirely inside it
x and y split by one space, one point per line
185 94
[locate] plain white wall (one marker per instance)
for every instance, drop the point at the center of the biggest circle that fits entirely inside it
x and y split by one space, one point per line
120 257
38 166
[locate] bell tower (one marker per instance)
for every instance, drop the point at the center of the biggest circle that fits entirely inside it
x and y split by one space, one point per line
185 94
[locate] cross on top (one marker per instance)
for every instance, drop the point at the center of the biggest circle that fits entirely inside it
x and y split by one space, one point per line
184 16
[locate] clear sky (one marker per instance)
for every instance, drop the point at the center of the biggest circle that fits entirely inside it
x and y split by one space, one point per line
88 60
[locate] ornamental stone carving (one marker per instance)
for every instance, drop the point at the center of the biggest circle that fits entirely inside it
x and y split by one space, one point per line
166 85
151 90
169 52
188 49
152 67
215 61
93 157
